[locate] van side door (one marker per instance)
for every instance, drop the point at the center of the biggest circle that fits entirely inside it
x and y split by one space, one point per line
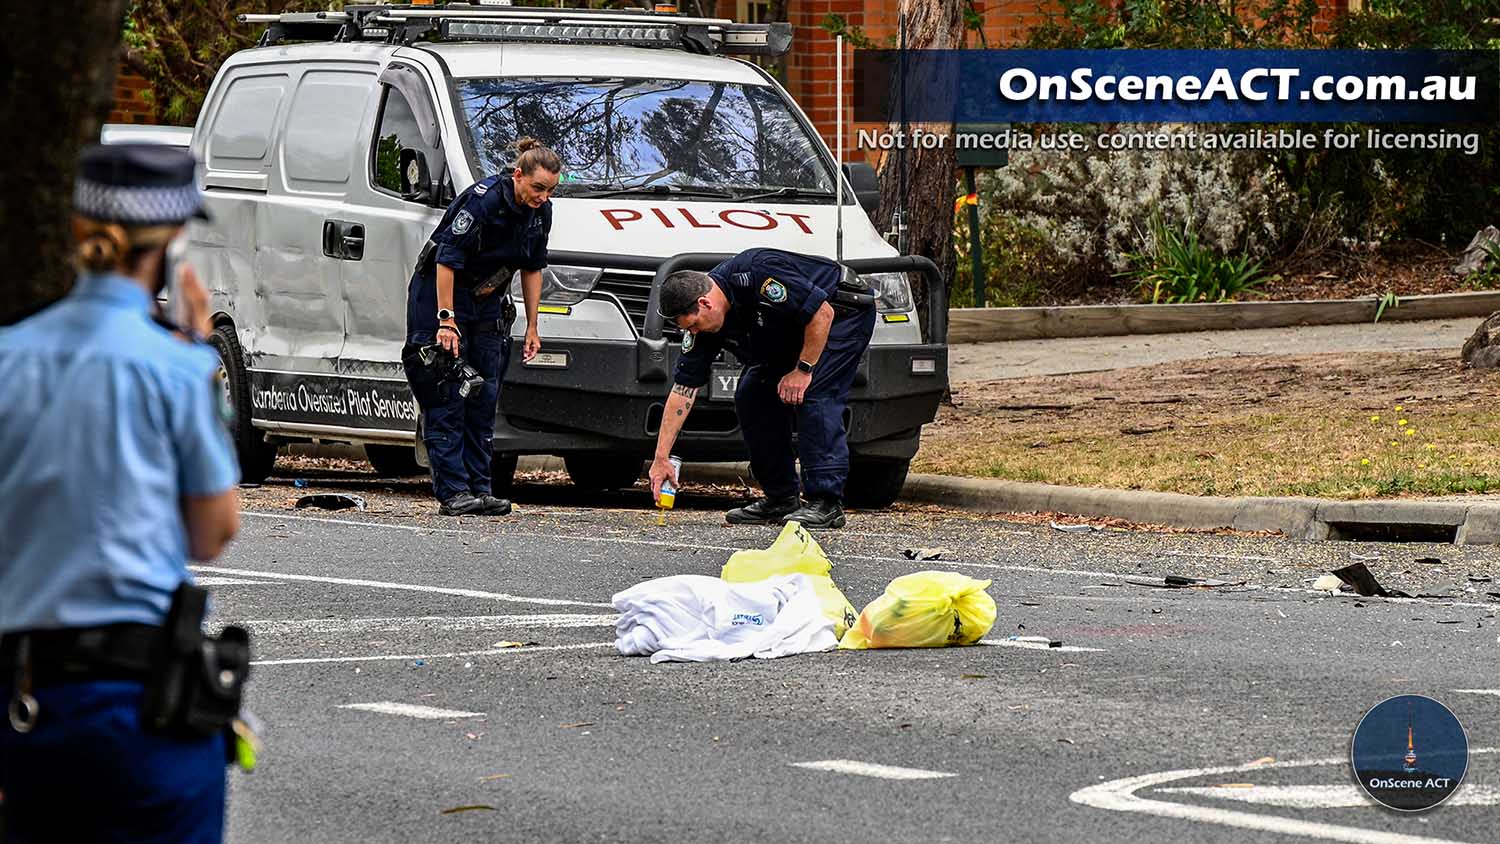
400 141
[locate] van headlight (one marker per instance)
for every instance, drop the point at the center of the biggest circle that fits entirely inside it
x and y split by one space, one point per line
893 290
561 285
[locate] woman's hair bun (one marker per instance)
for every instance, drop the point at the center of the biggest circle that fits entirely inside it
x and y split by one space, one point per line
527 144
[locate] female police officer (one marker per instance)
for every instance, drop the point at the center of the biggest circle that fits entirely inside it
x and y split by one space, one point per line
117 469
455 308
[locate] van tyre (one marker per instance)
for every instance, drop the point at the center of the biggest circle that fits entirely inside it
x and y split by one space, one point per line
874 482
502 475
257 457
598 472
394 461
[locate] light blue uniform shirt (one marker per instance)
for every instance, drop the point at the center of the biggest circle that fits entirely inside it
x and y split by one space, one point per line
106 422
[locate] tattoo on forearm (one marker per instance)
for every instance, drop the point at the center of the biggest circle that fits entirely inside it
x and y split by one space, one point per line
688 394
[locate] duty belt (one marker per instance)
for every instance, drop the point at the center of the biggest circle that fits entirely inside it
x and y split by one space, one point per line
119 651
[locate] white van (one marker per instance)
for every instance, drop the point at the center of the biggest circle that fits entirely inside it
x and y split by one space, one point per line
328 162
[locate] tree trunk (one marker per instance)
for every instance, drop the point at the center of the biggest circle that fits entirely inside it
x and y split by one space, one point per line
58 61
930 186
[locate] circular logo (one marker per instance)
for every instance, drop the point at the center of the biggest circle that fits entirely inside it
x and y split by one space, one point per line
1410 753
688 339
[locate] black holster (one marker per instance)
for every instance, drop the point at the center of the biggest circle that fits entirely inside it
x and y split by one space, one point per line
852 295
197 681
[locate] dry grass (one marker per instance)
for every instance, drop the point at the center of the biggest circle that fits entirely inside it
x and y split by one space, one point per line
1324 426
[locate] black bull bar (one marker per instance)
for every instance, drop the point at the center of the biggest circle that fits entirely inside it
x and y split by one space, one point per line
651 346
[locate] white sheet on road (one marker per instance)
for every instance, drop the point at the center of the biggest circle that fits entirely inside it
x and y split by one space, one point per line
694 618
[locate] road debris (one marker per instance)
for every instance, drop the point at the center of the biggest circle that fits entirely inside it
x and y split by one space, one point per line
921 554
576 726
1177 581
1429 561
1364 583
331 501
1328 583
1073 528
478 807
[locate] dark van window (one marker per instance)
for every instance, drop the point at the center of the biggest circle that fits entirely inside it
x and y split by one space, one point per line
397 130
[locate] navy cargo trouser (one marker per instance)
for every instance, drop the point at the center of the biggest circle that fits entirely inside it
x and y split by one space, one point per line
459 433
88 771
822 442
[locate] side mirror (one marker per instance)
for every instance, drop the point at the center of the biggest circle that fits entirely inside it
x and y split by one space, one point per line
866 185
416 179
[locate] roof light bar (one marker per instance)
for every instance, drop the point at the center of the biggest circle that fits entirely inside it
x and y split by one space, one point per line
640 36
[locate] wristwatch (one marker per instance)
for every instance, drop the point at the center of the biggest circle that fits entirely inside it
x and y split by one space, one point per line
804 366
445 313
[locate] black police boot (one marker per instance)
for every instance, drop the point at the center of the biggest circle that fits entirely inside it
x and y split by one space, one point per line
494 506
462 504
818 514
763 512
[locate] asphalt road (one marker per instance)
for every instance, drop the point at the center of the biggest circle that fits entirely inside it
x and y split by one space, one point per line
1123 734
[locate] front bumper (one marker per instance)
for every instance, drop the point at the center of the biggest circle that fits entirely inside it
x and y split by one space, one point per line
600 404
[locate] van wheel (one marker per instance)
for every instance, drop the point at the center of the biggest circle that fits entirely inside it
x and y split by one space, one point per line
502 475
874 483
394 461
592 471
257 457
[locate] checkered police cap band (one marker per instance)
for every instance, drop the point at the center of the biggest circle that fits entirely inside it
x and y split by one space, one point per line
138 184
135 206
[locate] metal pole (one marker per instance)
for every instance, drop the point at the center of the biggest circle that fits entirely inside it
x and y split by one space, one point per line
838 96
901 150
976 257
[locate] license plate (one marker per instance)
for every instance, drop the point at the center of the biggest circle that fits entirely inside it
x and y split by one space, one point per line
722 383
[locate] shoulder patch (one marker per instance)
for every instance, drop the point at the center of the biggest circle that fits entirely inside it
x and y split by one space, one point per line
741 279
773 290
688 340
480 189
462 222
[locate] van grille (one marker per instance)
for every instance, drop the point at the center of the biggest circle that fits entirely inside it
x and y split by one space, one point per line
633 292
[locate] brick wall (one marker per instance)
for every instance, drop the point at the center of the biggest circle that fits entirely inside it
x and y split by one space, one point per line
130 106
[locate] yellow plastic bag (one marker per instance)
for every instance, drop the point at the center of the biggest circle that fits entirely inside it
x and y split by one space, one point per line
928 609
794 552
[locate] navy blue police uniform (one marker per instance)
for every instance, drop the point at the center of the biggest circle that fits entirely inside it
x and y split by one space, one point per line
485 236
110 422
773 295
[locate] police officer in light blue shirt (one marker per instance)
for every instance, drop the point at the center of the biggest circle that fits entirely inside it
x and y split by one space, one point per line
115 470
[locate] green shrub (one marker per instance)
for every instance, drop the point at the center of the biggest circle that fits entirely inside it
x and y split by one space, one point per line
1177 269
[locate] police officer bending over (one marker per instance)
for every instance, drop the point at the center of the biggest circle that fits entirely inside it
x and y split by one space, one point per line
800 325
457 314
117 470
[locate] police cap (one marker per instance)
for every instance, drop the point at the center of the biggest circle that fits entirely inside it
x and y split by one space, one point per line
138 184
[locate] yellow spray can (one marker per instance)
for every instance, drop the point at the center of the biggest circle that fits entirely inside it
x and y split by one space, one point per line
668 496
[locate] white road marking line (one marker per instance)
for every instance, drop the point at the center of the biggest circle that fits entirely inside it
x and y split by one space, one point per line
406 657
1495 692
665 544
1037 645
387 525
228 581
409 587
870 769
325 626
1119 796
428 713
1326 796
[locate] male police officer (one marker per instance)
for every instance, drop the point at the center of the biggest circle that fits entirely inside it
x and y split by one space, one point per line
799 324
117 469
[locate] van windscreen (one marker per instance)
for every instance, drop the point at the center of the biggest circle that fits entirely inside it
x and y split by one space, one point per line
622 134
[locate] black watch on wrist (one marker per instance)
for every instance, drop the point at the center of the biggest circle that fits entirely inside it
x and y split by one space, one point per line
804 366
445 313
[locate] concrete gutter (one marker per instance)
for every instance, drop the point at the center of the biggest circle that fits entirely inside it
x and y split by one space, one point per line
1438 520
984 325
1457 521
